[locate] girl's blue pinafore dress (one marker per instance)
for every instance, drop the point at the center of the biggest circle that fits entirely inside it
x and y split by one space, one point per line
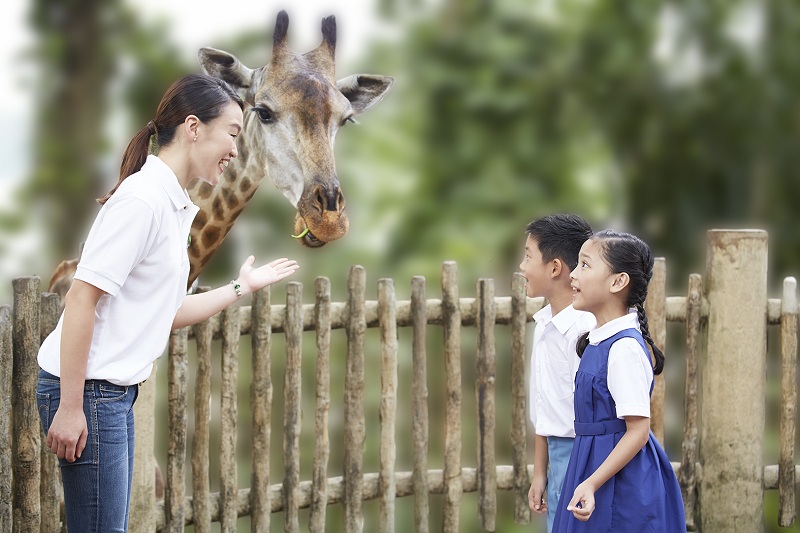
644 496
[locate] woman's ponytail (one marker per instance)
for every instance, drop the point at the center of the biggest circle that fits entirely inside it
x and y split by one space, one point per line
134 157
583 342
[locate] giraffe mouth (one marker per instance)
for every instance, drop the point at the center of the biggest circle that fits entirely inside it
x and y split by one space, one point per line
304 234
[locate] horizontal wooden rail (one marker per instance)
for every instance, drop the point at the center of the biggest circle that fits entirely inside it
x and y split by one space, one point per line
404 487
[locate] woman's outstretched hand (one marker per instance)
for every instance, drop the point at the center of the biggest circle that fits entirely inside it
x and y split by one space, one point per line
251 279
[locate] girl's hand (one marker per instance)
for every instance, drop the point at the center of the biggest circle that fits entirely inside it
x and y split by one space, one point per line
536 499
251 279
582 502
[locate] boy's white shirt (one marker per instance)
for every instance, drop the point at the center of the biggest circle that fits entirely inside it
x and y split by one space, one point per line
554 362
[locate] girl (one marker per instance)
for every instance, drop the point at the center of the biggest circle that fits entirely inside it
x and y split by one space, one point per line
619 477
129 292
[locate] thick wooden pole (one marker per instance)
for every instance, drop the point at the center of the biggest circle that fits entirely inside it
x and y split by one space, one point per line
201 479
734 382
27 426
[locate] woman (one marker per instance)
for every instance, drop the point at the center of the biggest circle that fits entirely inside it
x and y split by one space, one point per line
129 293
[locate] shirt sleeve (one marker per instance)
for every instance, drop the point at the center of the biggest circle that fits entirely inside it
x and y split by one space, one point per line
118 240
629 378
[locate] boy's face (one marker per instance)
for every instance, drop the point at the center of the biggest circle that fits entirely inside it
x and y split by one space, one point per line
535 270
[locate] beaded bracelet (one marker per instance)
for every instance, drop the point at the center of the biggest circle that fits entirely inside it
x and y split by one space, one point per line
237 288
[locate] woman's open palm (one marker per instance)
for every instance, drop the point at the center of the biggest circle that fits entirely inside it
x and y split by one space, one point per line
272 272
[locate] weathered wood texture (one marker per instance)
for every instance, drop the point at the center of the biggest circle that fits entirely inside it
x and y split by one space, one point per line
322 452
27 436
451 318
731 310
388 409
732 429
484 392
655 307
787 478
687 475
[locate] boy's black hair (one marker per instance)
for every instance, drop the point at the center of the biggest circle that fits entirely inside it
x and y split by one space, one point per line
560 236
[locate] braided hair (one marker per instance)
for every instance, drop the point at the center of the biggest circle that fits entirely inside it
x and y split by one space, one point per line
627 253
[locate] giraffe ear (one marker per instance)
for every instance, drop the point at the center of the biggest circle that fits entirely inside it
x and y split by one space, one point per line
364 90
226 67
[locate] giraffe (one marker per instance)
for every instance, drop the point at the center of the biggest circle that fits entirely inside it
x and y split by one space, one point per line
294 106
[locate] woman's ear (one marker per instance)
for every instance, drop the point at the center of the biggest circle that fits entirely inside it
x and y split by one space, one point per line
190 126
620 281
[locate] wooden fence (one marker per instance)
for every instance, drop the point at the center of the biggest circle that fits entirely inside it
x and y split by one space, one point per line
726 315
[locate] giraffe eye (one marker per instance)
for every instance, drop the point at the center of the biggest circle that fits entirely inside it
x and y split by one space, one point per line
265 115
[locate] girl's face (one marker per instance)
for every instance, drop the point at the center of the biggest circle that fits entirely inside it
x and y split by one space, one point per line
592 279
216 144
534 269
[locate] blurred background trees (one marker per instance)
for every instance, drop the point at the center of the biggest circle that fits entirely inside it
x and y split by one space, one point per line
665 118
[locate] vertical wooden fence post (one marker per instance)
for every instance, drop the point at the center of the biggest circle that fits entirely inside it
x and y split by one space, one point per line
519 418
786 469
656 309
694 333
733 382
6 366
201 480
261 405
419 404
484 390
322 451
387 317
451 316
354 423
228 413
177 386
27 426
50 490
291 401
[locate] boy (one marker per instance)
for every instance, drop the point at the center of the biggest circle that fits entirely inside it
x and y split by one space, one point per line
551 253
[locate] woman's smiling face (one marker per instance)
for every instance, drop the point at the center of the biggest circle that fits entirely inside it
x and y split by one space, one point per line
216 144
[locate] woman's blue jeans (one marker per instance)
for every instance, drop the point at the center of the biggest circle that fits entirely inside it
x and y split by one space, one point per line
97 486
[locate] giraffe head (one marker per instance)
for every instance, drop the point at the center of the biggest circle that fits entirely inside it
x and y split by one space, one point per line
294 108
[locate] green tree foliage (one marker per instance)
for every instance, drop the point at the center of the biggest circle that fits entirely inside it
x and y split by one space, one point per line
83 48
507 111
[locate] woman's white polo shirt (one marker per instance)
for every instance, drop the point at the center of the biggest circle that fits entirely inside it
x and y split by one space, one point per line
135 253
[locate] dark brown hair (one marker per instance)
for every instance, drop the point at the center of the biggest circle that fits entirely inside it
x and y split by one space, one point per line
627 253
197 94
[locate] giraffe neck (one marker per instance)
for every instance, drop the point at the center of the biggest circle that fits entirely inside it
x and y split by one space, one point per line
221 205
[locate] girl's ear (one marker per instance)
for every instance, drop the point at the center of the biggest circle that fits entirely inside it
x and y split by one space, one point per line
620 281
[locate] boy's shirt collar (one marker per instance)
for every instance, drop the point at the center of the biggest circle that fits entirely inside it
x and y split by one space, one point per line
562 321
